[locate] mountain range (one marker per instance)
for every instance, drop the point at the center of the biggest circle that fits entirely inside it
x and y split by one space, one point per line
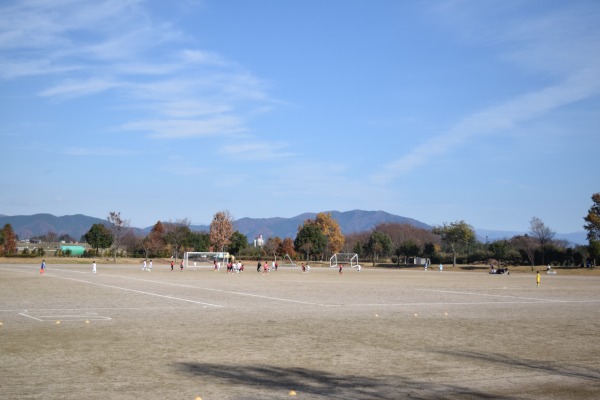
28 226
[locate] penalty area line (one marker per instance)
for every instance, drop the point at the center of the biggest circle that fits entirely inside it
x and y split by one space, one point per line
29 316
219 290
138 291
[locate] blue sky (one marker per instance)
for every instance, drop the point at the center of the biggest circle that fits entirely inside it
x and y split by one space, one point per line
441 111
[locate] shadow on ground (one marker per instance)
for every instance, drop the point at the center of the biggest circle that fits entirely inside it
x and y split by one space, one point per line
321 384
552 368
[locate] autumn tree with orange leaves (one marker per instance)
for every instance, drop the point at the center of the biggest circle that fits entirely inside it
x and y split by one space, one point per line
331 230
221 229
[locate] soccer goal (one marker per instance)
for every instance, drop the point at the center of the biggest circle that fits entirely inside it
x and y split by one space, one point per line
350 259
205 258
284 263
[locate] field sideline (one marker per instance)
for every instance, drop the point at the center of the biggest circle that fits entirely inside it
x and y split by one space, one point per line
378 334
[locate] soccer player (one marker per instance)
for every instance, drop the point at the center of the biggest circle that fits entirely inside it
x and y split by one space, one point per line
144 265
94 267
42 267
538 278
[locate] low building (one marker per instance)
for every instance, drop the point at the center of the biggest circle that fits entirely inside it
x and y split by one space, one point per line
75 251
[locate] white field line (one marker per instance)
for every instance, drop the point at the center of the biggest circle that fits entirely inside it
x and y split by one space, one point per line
97 308
122 288
508 296
29 316
531 300
73 317
67 317
210 289
137 291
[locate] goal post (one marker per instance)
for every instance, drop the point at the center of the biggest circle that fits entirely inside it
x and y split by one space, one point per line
205 258
285 264
350 259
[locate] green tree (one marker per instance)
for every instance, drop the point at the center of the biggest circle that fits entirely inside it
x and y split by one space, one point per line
428 249
407 248
594 250
99 237
197 241
310 240
455 235
66 238
331 230
358 249
379 244
499 249
237 242
592 219
592 227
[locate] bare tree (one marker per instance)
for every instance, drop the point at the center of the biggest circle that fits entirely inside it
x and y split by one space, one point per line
272 245
527 245
118 228
541 233
175 234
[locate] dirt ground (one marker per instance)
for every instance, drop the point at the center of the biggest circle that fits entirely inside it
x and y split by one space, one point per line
125 333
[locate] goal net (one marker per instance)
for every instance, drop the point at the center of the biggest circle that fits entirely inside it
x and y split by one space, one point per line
350 259
205 258
288 263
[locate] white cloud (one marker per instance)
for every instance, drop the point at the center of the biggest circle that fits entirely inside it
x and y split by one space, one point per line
552 43
105 45
186 128
75 88
203 57
96 151
256 150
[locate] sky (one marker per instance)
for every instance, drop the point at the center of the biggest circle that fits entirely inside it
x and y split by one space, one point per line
487 112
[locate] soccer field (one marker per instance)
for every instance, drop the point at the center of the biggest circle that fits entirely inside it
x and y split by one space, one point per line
378 334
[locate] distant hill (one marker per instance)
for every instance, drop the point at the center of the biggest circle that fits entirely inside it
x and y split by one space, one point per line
349 221
28 226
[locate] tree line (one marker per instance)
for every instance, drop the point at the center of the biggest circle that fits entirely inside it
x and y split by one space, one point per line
321 237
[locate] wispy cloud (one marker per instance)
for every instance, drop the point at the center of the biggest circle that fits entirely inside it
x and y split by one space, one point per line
76 88
187 128
110 47
256 150
553 43
96 151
